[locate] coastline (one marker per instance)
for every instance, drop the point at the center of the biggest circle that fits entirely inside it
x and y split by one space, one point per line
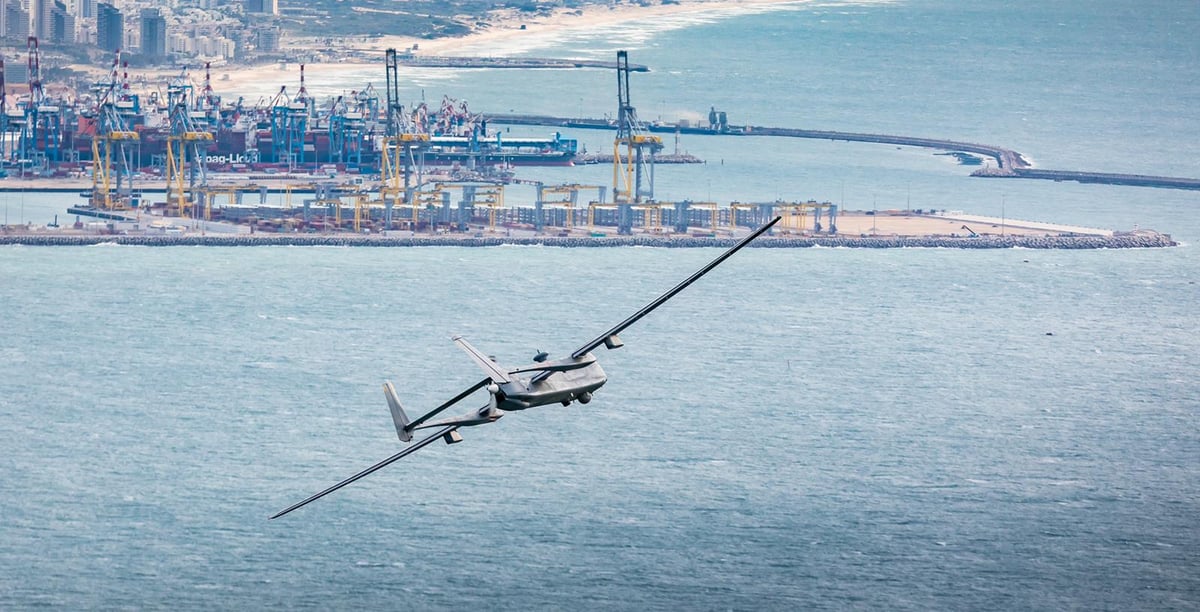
511 31
502 36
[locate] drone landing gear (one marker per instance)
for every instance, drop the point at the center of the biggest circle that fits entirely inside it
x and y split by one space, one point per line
452 437
583 398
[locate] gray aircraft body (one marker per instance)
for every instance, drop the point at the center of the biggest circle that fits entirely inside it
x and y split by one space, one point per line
543 382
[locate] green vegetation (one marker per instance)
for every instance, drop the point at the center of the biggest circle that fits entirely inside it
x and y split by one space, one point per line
417 18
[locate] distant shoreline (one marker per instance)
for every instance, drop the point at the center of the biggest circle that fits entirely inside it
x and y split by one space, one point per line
507 33
1123 241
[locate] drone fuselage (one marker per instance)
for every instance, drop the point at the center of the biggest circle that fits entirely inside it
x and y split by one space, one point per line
553 386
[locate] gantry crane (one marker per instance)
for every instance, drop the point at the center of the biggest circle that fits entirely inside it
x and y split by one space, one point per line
187 146
403 149
42 126
795 215
208 103
11 122
439 202
714 214
3 114
633 153
347 128
113 146
289 125
568 200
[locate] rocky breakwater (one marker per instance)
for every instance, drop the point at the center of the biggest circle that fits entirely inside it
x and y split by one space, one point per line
1131 240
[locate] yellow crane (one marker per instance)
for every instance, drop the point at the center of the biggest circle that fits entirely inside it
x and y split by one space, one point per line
633 149
403 148
794 215
113 147
187 146
107 191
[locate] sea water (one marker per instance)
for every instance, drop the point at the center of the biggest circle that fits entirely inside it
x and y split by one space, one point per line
818 428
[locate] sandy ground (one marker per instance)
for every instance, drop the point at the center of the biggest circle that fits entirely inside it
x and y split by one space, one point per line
502 36
851 223
506 25
860 223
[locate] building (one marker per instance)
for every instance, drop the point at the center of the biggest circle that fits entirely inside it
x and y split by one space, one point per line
49 20
85 9
268 40
110 27
40 17
16 20
16 72
61 23
154 34
267 7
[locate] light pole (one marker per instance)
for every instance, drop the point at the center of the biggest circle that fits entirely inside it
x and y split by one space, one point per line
1002 203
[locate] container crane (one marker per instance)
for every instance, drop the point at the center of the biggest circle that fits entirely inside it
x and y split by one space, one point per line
289 124
4 119
633 153
209 103
347 129
113 147
565 197
186 151
403 147
42 126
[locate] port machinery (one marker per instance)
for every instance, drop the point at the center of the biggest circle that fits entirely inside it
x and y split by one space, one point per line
187 147
31 132
633 152
563 198
403 145
114 144
684 216
794 216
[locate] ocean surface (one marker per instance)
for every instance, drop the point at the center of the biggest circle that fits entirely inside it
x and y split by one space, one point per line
803 429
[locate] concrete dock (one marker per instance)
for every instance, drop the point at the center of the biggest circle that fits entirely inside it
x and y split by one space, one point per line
1008 163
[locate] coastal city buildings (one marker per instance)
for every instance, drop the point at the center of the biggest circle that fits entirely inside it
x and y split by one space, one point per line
152 31
154 34
270 7
110 27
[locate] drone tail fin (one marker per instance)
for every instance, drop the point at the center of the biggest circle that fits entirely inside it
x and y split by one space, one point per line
398 415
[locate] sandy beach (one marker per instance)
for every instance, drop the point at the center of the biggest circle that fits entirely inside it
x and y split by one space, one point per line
508 32
512 30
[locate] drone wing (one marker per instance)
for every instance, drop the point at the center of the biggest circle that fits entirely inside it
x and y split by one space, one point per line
609 338
490 367
411 425
404 429
448 431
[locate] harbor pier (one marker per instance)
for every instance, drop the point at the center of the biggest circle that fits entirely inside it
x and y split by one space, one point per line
1008 163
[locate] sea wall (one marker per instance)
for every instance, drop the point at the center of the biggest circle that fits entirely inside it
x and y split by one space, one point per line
1120 241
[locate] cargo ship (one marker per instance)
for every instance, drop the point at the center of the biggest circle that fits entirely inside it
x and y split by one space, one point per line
242 140
45 136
